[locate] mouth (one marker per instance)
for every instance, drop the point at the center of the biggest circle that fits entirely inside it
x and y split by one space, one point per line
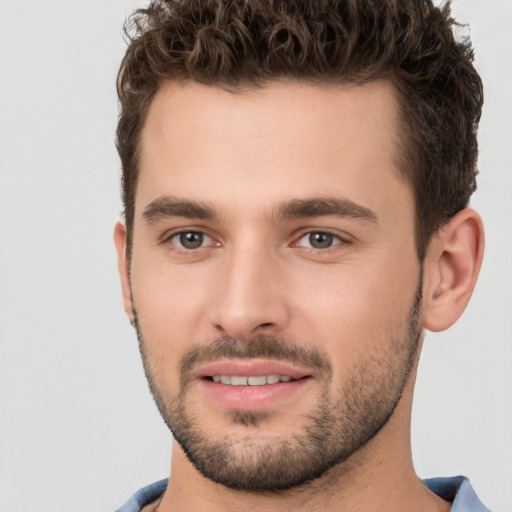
252 385
254 380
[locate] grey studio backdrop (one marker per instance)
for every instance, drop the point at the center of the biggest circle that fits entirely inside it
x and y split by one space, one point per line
78 428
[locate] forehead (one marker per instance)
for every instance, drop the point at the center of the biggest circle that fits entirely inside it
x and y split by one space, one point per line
285 139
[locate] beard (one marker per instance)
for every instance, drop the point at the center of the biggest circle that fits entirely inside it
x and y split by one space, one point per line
345 418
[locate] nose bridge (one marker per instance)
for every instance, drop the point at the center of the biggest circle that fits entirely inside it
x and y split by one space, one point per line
250 297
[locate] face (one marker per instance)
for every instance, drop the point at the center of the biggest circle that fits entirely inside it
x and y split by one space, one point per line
274 281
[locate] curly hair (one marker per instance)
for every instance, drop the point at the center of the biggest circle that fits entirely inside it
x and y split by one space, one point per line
249 43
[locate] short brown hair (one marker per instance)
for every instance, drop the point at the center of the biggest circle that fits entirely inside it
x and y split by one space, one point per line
248 43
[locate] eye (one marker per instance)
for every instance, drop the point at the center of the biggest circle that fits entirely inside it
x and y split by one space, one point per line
319 240
190 240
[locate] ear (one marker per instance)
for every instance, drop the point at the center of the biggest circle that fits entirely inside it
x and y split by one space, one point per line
452 264
124 267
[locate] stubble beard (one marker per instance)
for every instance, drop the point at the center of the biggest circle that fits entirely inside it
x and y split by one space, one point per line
340 425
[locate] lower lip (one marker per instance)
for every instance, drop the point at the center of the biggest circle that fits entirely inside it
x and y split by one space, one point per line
247 398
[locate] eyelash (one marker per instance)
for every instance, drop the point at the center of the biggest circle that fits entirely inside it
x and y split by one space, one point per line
184 250
337 240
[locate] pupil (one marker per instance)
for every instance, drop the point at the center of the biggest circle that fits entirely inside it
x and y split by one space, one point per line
191 240
320 240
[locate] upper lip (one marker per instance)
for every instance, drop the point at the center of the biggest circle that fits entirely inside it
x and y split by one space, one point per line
251 368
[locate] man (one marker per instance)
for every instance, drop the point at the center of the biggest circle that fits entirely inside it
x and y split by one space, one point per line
296 176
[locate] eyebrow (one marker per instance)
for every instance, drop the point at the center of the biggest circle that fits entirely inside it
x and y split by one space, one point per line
324 206
169 206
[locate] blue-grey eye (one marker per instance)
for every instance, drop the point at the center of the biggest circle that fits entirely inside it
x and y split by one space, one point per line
318 240
189 239
321 240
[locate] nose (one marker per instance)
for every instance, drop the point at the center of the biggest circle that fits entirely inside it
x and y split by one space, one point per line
251 295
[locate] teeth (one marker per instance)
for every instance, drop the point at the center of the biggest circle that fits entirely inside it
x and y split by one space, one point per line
239 381
257 380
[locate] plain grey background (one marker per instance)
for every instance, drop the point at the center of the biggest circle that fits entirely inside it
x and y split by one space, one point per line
78 429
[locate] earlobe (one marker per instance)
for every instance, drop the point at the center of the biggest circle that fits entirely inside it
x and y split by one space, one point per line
451 269
124 267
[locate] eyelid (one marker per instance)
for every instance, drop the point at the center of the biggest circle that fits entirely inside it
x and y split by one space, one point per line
170 234
342 239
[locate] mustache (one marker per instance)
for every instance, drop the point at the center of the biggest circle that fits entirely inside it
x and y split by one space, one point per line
261 346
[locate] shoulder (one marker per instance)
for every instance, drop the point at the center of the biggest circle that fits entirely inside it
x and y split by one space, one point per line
459 491
144 496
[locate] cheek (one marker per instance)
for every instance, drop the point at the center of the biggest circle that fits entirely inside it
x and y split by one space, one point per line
170 309
166 292
357 309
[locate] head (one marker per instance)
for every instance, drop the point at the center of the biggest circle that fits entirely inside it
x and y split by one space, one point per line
295 177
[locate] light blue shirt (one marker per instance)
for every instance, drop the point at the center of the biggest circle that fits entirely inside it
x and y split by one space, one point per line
456 489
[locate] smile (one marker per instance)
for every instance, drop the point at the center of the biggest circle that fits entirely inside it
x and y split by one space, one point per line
252 384
256 380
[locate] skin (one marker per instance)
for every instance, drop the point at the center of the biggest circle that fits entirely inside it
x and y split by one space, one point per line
243 155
